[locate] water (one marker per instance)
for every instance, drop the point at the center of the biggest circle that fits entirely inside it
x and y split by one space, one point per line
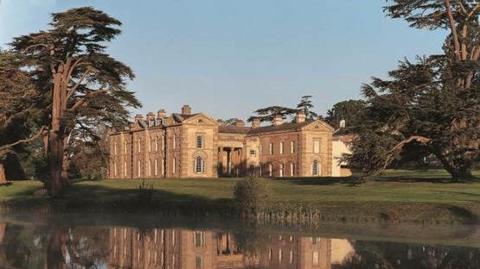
79 241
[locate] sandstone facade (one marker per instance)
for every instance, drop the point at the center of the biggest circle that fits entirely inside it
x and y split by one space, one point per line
187 145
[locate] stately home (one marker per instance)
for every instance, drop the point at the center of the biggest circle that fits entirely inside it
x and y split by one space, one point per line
189 145
196 249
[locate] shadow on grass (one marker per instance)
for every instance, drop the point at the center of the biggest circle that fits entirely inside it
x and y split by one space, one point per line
325 181
356 181
132 200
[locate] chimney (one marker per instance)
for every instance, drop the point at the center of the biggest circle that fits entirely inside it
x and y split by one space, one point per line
186 110
161 114
300 117
256 122
138 118
239 123
150 116
277 120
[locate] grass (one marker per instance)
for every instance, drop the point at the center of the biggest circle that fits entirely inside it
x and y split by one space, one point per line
407 193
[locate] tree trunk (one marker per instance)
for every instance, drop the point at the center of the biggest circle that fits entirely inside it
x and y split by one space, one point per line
56 147
458 173
57 250
3 178
461 174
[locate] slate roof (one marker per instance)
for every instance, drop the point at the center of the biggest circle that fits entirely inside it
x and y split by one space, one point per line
291 126
231 129
181 117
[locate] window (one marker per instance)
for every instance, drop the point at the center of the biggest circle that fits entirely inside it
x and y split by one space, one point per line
200 141
199 165
290 259
281 147
114 168
125 147
125 169
139 169
199 239
271 148
156 144
292 169
150 145
282 169
156 167
316 146
198 262
139 146
315 168
174 165
270 170
174 142
280 255
315 258
149 168
115 148
292 147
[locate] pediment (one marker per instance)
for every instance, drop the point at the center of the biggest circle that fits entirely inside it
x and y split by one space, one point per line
318 125
201 119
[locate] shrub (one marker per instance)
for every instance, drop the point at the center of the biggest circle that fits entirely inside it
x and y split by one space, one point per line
252 194
145 193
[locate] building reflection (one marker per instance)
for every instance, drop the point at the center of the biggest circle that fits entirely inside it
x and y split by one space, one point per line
182 249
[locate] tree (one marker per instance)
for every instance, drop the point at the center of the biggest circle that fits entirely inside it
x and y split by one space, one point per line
86 84
459 17
349 111
268 113
306 106
434 103
420 105
19 109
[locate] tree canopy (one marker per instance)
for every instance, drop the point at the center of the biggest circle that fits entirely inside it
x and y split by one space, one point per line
431 105
88 87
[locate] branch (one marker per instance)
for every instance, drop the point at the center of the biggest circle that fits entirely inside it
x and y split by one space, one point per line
72 90
22 141
475 9
421 139
451 20
84 98
462 6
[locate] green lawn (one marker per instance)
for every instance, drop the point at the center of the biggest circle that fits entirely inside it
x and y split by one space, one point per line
394 186
401 191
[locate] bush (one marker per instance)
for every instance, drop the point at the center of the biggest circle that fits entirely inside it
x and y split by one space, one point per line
252 194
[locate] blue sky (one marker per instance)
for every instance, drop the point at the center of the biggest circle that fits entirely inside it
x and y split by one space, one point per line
229 57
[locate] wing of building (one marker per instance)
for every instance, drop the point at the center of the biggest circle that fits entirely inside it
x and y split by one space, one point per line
194 145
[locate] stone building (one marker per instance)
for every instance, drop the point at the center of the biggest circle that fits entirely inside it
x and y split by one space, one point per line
197 249
194 145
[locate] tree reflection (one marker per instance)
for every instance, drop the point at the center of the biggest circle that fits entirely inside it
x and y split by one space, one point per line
385 255
59 246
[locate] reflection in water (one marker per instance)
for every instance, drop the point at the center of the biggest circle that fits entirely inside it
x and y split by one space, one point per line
126 247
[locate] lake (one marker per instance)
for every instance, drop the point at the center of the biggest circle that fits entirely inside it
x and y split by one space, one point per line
37 240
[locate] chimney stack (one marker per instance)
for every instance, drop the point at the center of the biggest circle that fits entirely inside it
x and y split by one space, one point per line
300 117
277 120
138 118
150 116
256 122
161 114
186 110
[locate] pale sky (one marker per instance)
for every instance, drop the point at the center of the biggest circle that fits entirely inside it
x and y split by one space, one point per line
230 57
